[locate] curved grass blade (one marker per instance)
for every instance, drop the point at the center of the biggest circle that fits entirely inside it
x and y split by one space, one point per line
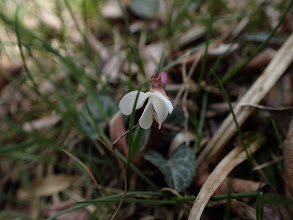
205 57
243 142
79 206
162 60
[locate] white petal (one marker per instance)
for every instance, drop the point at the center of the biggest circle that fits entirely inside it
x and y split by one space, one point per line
146 119
165 100
127 102
161 112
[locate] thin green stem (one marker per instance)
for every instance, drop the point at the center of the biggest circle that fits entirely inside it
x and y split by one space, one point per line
243 142
201 120
280 139
173 200
130 136
209 34
158 198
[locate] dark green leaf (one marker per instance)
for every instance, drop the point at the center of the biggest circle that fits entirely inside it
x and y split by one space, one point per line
143 8
177 117
179 170
91 116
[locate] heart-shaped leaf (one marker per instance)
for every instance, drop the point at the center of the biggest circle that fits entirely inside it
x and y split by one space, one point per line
143 8
179 170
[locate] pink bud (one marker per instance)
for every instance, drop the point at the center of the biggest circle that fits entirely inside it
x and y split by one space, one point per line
164 78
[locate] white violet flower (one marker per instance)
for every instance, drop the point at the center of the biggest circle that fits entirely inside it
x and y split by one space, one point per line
158 105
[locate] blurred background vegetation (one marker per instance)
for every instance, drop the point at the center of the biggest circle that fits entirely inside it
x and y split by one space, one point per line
66 64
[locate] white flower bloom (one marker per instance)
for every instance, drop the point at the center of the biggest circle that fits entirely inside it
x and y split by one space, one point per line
158 107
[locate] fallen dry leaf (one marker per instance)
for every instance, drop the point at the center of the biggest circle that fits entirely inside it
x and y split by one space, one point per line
152 54
51 20
194 33
273 15
112 10
242 210
180 138
222 49
261 60
47 186
119 138
116 130
238 185
42 123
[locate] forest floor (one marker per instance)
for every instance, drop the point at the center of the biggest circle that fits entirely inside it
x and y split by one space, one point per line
223 152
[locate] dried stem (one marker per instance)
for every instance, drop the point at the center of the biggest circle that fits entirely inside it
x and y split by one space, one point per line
125 133
86 169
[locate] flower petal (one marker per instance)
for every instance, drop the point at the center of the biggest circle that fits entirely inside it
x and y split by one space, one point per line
127 102
161 112
165 100
146 119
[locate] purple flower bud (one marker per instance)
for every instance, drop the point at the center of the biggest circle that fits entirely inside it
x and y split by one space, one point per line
164 78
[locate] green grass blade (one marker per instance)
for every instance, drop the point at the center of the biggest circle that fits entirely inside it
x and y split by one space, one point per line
16 147
203 112
173 200
131 144
79 206
259 206
162 59
209 33
39 138
243 142
137 138
131 44
278 135
162 198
